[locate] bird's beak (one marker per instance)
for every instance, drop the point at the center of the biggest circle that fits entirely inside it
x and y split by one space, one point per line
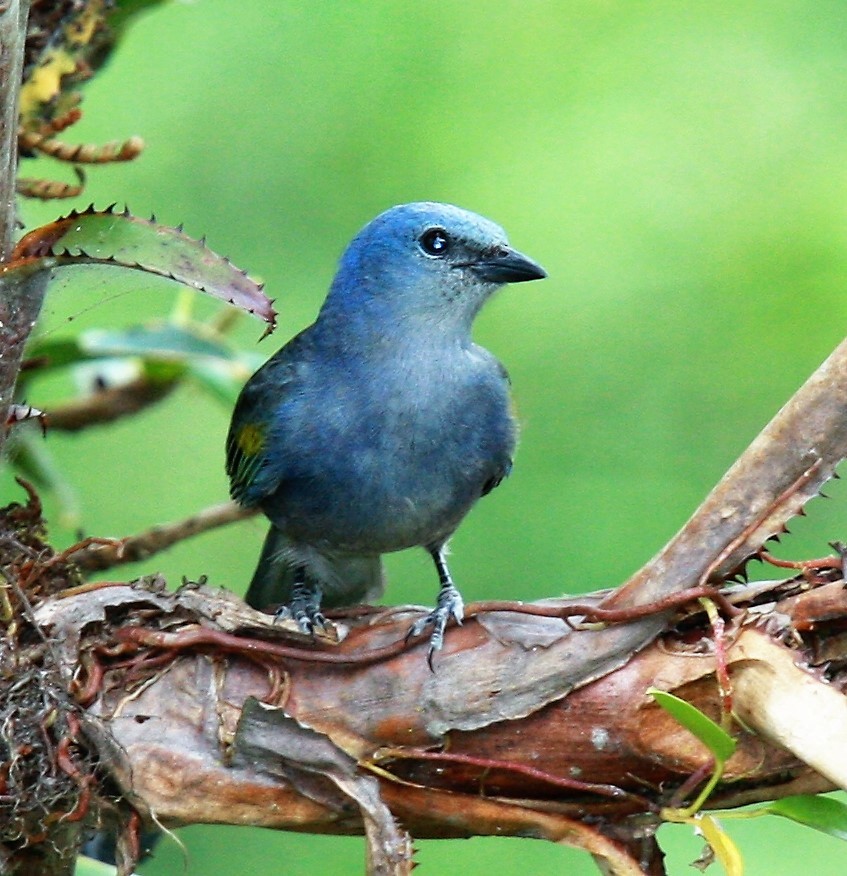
507 265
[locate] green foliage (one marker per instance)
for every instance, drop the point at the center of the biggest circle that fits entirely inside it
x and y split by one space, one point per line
712 735
155 357
158 341
825 814
722 746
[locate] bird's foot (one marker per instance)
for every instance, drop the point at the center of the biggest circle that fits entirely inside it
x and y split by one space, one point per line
449 605
304 609
307 620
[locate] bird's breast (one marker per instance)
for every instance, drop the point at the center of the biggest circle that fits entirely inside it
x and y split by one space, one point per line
397 460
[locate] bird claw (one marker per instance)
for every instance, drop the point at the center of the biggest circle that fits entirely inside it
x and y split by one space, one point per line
307 617
450 604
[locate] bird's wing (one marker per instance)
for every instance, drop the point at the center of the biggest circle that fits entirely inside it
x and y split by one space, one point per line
254 473
505 468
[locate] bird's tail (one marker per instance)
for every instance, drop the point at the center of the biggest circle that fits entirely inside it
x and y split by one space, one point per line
344 580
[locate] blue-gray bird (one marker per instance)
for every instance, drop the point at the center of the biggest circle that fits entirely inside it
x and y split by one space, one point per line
380 425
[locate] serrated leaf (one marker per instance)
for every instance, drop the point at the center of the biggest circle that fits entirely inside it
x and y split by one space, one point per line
722 845
825 814
123 240
714 737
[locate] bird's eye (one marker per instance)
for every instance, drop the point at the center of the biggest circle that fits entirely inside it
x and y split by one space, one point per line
435 242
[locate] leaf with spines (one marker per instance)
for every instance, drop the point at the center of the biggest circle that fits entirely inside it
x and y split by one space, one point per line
122 240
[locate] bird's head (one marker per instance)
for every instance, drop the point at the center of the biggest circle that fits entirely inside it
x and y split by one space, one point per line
427 261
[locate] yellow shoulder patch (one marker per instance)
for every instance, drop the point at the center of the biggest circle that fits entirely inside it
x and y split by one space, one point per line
251 439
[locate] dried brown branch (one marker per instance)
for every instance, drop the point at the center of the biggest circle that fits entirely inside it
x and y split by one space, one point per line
158 538
785 467
344 747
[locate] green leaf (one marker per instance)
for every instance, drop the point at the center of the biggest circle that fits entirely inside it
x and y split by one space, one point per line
123 240
825 814
55 353
714 737
159 341
163 352
155 341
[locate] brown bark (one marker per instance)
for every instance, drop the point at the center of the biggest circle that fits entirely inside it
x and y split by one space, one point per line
199 709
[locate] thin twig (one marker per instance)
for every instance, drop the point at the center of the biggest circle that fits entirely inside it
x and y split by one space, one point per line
158 538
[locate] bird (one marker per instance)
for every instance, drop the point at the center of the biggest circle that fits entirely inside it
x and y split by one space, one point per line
378 427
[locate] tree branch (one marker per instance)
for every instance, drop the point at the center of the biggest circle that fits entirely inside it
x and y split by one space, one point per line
108 553
192 689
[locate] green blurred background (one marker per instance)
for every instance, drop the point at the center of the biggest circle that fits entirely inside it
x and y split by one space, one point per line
679 170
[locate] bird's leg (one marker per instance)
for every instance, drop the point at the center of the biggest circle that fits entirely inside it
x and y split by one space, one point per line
449 604
304 604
